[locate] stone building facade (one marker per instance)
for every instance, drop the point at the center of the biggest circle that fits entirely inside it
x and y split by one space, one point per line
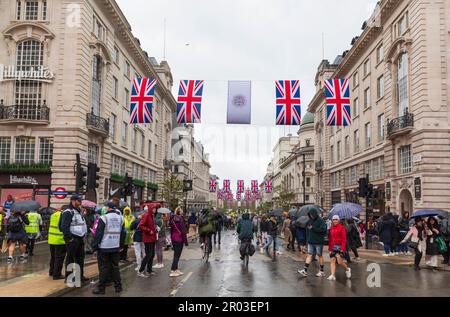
80 103
398 69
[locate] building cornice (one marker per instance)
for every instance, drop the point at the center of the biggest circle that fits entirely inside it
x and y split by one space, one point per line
317 100
123 29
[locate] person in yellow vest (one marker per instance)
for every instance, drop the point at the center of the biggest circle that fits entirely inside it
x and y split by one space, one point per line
57 246
33 231
128 218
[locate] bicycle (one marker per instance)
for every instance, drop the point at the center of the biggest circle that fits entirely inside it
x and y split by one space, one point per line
206 245
246 256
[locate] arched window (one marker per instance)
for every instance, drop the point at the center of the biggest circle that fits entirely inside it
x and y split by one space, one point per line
30 54
96 84
402 84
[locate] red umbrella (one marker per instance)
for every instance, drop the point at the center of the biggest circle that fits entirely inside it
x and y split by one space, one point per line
88 204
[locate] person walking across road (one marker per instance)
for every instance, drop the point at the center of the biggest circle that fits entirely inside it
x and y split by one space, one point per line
109 239
57 246
179 239
403 225
16 234
386 227
263 228
33 230
286 231
272 232
74 229
149 237
432 250
218 227
337 247
416 237
192 221
316 229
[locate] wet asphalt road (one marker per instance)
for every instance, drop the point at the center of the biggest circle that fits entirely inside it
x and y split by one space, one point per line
224 276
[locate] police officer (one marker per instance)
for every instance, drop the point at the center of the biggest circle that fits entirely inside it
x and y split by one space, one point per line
57 246
73 227
33 231
108 241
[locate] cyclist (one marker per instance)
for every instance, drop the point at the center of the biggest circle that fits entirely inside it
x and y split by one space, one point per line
245 231
206 227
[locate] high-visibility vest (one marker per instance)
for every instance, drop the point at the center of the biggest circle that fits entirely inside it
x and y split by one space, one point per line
78 225
113 228
33 226
55 236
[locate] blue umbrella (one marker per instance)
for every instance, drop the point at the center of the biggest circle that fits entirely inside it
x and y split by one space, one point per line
427 213
345 210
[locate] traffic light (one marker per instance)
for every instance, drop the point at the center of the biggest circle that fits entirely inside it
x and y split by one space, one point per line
81 175
363 187
187 185
93 176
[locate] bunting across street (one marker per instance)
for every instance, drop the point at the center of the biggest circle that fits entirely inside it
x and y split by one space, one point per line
288 102
226 186
255 186
337 92
190 101
142 97
212 185
268 186
240 186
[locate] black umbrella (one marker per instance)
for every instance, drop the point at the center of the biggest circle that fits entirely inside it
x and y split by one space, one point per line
47 210
303 211
27 205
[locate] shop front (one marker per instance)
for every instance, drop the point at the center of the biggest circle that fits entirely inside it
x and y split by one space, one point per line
21 187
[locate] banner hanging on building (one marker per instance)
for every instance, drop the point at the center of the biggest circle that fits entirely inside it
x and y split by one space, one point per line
240 186
226 186
255 187
239 102
268 186
212 185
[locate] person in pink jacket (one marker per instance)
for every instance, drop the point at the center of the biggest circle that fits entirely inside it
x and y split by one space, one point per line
337 247
179 239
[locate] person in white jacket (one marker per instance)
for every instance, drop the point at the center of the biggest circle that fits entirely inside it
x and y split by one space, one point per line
417 236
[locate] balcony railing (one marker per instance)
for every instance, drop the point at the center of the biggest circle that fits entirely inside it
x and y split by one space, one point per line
32 113
97 124
400 125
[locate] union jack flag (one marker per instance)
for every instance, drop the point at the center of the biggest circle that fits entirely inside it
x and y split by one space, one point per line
212 185
239 196
190 101
288 102
229 196
142 97
240 186
337 93
248 195
268 186
226 186
220 194
255 186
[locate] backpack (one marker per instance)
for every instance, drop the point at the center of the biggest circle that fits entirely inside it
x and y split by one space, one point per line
15 224
203 220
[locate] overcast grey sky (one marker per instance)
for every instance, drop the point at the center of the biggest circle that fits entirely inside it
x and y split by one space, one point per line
257 40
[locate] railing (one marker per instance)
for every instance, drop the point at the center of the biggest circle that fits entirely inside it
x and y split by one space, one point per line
25 112
398 124
98 123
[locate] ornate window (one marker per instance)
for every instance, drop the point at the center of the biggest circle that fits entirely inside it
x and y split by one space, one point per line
30 54
405 162
402 84
96 84
25 150
5 150
46 150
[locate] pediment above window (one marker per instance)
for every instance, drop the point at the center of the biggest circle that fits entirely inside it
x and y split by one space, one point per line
398 47
102 50
26 30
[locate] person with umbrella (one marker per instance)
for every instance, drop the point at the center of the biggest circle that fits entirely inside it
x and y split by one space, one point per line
316 229
74 229
16 233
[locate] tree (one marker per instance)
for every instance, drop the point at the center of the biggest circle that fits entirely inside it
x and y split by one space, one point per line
284 197
172 192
